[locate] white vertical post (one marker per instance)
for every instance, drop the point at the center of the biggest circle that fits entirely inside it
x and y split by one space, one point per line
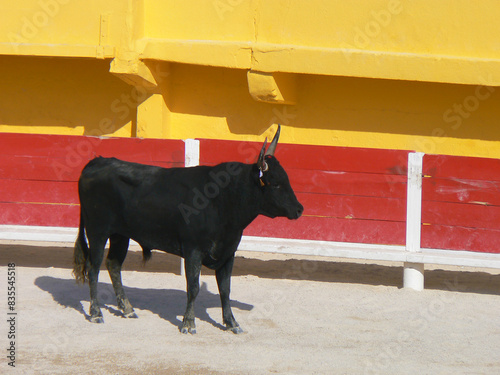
191 152
413 276
191 159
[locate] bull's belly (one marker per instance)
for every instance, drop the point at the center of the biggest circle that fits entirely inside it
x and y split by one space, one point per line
216 247
154 242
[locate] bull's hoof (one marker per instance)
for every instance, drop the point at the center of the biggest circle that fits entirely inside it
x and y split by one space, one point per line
131 315
97 319
186 330
236 330
188 326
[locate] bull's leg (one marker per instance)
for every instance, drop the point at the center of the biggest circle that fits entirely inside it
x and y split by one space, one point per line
96 250
192 267
223 276
118 246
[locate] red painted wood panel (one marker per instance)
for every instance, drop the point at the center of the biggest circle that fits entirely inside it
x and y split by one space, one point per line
469 168
361 184
460 238
461 191
38 173
461 203
58 215
53 169
461 215
30 156
77 147
42 168
345 159
38 191
330 229
325 158
353 207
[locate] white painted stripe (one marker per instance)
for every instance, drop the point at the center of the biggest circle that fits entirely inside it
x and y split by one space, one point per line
37 233
292 246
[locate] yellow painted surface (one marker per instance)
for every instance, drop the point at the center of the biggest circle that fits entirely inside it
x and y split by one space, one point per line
64 96
446 41
417 75
340 111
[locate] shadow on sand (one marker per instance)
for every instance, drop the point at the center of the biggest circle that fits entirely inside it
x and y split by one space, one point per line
168 304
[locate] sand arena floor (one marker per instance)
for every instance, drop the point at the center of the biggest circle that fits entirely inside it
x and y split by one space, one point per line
300 316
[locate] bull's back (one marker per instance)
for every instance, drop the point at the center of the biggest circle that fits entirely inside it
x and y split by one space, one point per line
138 201
102 171
108 187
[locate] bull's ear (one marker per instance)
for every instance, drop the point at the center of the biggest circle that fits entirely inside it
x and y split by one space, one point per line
272 146
260 162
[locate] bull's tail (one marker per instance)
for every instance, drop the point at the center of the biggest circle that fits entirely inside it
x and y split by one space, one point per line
81 254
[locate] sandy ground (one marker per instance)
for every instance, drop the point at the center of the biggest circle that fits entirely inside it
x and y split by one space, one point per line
300 316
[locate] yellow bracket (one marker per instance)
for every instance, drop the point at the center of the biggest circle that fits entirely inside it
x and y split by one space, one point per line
135 72
280 88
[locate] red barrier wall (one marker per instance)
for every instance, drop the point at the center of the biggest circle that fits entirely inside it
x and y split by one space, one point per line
461 203
39 173
349 194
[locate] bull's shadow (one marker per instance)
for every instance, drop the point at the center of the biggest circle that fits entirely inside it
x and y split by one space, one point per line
168 304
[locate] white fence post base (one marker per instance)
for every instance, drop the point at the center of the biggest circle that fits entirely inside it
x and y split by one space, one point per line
413 276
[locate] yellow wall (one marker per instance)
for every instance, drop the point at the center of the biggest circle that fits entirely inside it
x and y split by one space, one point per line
385 74
64 96
340 111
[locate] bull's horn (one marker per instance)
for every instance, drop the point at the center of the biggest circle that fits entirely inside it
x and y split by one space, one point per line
272 146
260 162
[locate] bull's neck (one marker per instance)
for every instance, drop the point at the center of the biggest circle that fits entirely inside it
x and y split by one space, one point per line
245 197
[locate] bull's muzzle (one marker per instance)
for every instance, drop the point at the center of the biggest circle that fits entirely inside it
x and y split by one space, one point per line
296 213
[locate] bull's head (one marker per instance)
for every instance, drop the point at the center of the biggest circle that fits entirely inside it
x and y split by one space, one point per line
278 196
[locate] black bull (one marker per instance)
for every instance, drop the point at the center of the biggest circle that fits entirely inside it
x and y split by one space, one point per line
198 213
